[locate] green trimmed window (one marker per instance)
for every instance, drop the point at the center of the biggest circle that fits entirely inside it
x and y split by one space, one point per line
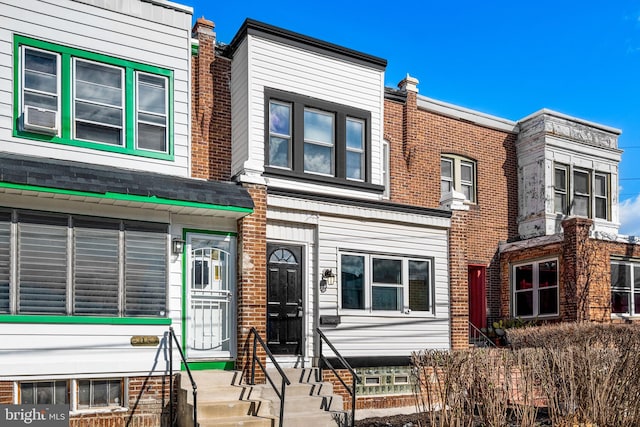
63 265
74 97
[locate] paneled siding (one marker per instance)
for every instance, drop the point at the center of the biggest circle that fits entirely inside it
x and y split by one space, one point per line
106 32
384 232
293 69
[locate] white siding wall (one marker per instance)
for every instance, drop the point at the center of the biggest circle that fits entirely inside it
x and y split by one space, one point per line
275 65
107 32
366 334
69 350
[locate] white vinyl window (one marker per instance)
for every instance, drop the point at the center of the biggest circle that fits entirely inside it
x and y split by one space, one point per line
355 149
535 288
40 90
151 113
98 107
459 174
385 169
280 142
385 283
581 192
625 288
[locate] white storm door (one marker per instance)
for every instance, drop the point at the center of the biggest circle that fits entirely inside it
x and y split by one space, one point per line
211 296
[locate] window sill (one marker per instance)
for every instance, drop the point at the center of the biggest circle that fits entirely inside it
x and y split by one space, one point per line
104 410
82 320
324 180
386 314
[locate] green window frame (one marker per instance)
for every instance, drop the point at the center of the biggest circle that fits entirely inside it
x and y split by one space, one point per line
138 118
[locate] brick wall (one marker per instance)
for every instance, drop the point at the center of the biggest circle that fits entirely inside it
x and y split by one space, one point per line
210 108
458 280
417 139
148 405
584 271
252 274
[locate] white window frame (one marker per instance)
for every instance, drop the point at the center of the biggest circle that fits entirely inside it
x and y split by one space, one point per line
359 151
570 192
535 288
456 181
631 289
331 145
123 106
23 88
139 110
385 169
404 285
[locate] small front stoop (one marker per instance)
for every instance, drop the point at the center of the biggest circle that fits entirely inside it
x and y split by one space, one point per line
308 403
224 401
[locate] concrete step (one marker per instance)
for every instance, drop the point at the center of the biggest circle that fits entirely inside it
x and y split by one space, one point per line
323 419
309 404
233 408
245 421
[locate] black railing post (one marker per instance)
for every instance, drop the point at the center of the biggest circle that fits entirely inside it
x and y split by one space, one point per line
171 402
173 338
253 360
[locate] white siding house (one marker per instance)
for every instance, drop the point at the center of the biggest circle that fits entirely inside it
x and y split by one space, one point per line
372 275
95 194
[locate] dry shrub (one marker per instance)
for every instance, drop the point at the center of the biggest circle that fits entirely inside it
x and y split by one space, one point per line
582 374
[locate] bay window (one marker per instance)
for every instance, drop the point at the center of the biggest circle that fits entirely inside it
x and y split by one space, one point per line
385 283
581 192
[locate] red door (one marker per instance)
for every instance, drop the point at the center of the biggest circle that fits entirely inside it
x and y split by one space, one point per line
477 296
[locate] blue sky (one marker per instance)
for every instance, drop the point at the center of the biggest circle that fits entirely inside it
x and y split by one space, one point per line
505 58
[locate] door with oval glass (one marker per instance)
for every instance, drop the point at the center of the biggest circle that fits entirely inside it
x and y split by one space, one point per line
211 277
285 310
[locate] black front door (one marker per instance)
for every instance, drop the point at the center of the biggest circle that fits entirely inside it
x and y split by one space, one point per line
284 299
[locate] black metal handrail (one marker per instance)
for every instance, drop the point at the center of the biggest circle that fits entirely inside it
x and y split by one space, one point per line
173 338
354 377
255 359
476 335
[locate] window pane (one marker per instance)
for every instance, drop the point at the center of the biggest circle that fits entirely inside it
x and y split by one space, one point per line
524 303
145 273
600 185
280 118
387 271
318 159
100 76
446 168
547 274
445 186
5 261
468 192
355 134
524 277
581 205
99 114
95 132
419 292
41 101
151 137
40 62
560 203
601 208
581 182
100 393
466 172
96 271
42 265
386 298
318 126
560 182
548 301
40 74
44 393
152 93
620 276
354 165
620 302
352 281
279 152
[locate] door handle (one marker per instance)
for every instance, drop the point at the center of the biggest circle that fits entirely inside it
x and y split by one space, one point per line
300 310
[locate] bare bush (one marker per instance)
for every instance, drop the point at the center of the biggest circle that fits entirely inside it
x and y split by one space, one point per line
581 374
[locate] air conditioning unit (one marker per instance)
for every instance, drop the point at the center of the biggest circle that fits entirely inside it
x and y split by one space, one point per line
40 120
